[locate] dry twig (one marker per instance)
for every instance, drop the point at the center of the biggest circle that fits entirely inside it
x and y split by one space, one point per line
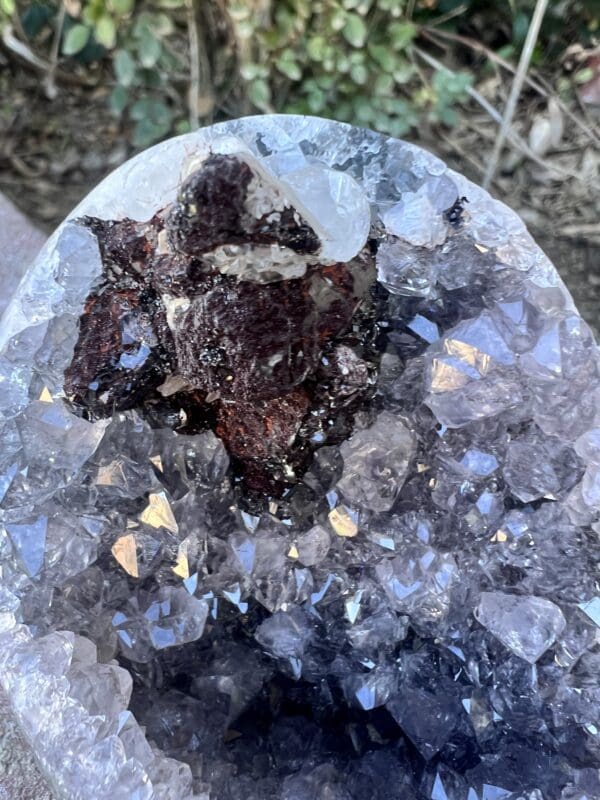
511 134
194 90
515 92
15 46
50 80
539 85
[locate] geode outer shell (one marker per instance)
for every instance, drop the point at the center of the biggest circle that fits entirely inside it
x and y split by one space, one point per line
366 570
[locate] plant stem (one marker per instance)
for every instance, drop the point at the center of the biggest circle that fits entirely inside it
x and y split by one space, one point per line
194 90
515 92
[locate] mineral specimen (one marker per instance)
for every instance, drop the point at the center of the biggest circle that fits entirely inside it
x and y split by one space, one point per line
300 484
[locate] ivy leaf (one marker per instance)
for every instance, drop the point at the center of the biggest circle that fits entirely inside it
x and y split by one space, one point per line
289 67
250 71
359 74
163 25
35 18
315 47
106 32
153 121
149 48
259 94
355 30
183 126
122 6
402 34
384 83
584 75
124 66
152 109
118 100
338 19
75 39
316 101
145 133
383 56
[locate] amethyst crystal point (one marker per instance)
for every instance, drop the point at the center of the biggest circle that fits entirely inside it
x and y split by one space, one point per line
299 484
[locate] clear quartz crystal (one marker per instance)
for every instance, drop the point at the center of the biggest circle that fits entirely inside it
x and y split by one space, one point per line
417 615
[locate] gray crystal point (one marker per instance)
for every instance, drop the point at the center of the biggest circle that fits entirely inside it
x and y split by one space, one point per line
376 463
526 625
300 484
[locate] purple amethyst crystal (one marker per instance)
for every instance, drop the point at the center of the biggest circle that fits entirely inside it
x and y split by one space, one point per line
300 484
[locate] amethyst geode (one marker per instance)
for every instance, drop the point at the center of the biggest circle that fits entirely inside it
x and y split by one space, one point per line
300 484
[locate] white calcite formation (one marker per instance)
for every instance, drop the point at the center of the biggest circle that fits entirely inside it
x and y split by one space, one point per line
410 608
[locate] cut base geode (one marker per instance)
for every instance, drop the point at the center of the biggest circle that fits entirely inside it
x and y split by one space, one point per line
300 484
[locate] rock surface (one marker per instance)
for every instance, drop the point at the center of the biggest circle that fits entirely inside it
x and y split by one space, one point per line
417 613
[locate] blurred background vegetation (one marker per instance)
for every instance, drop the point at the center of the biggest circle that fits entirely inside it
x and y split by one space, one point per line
358 60
85 83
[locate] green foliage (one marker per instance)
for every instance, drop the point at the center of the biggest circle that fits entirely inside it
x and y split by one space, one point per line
352 59
356 60
137 45
135 37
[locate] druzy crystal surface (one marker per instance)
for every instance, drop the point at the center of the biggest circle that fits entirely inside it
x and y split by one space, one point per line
300 484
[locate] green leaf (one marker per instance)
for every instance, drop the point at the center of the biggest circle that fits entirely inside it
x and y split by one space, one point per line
35 18
152 78
315 48
363 109
250 71
384 84
316 101
391 5
118 100
259 94
403 71
75 39
162 25
124 67
8 6
584 75
122 6
92 12
149 48
447 116
151 108
153 121
106 32
400 126
359 74
146 133
289 68
520 27
338 20
383 55
402 34
355 30
183 126
325 82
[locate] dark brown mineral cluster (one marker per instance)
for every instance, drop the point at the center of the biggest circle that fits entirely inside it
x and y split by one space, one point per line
193 326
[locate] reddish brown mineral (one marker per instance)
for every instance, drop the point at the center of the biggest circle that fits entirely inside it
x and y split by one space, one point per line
276 368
